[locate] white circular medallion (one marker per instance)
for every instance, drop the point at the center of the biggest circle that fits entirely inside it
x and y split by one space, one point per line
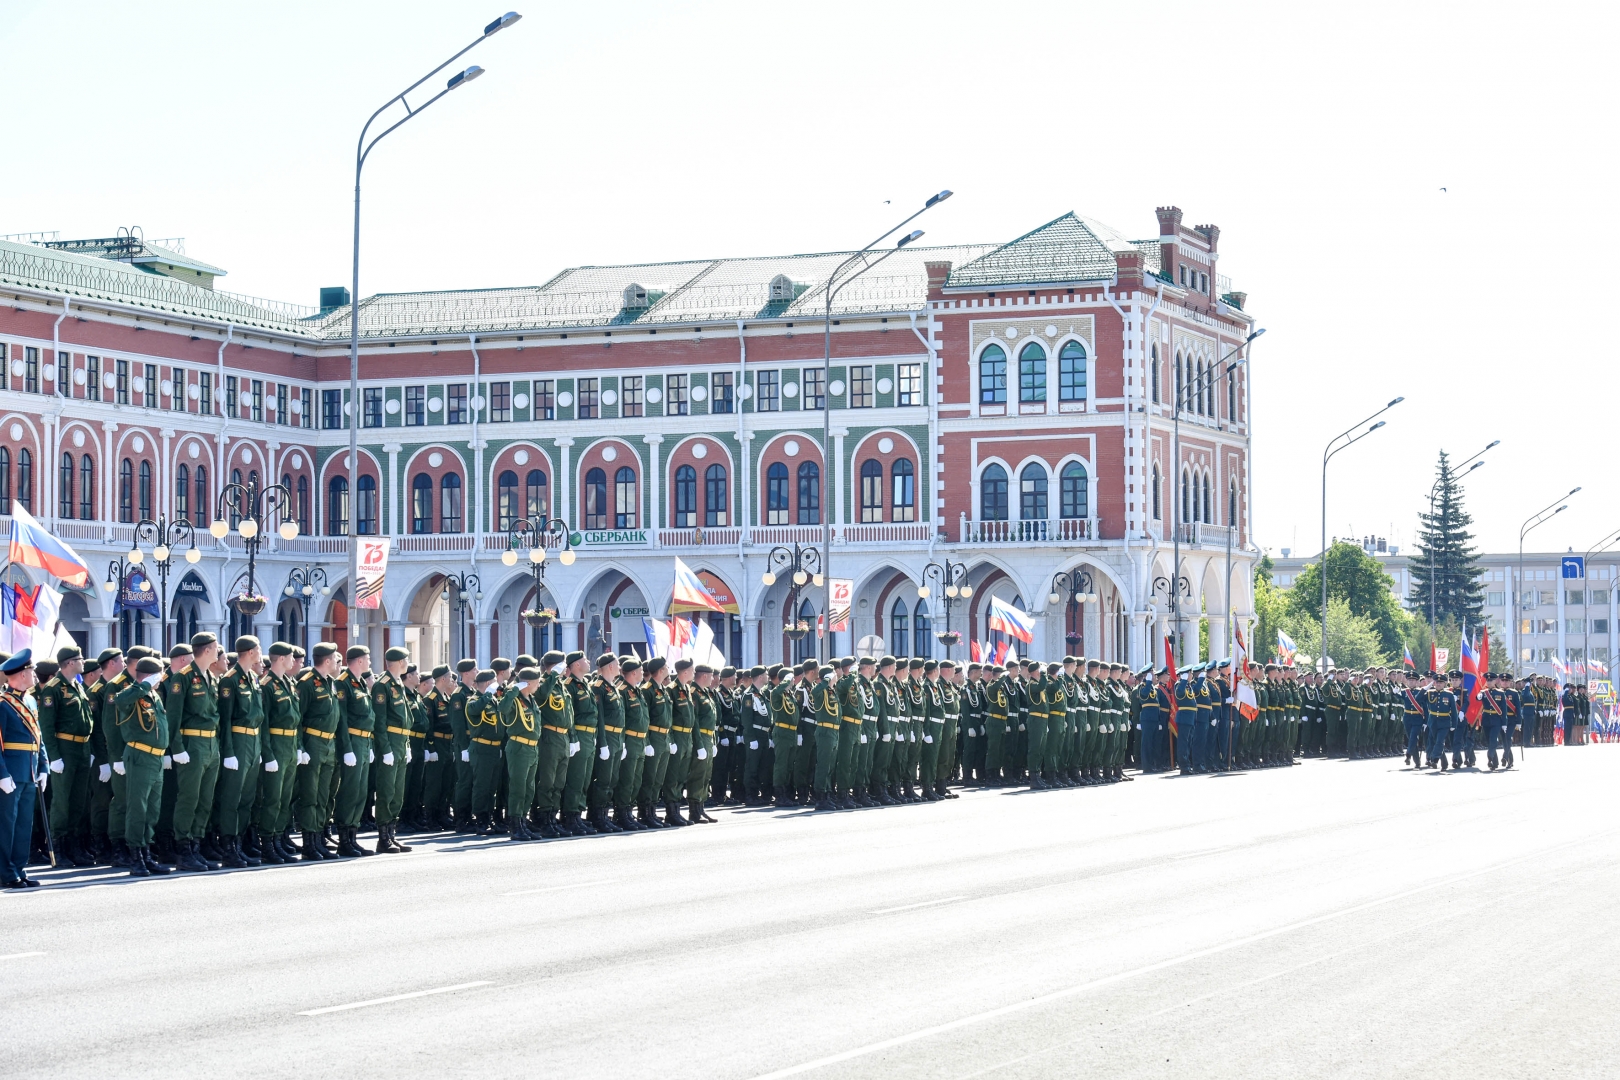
296 405
109 380
348 408
137 384
346 462
521 457
391 406
700 450
1011 332
1051 331
884 386
78 376
699 393
435 459
247 456
610 453
745 391
78 438
17 368
609 397
520 401
166 390
654 395
434 404
790 390
195 450
194 392
478 401
17 433
297 461
565 399
885 445
836 387
136 444
791 448
49 371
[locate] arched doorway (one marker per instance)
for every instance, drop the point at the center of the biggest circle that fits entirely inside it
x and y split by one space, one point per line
610 616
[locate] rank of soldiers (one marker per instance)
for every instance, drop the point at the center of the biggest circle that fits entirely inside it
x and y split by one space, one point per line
206 759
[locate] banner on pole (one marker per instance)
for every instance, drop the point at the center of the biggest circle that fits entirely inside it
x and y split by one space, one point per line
373 569
843 590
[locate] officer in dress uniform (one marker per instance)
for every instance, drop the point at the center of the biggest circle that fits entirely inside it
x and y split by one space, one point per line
520 720
356 733
24 770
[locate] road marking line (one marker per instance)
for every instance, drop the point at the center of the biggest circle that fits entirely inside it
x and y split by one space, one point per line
20 955
912 907
1145 969
1201 854
395 997
560 888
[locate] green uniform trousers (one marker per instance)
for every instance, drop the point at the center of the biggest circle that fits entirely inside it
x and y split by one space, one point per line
118 805
237 790
551 775
627 784
487 769
787 737
354 787
194 784
415 776
314 783
101 794
605 773
680 766
700 770
462 799
143 788
580 768
826 757
654 768
272 810
849 741
522 768
70 794
804 756
389 780
439 778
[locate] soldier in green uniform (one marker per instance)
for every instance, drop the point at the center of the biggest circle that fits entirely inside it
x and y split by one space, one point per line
656 756
191 705
610 750
705 728
241 718
556 733
885 706
461 795
581 747
804 748
66 726
784 705
142 721
633 757
485 737
390 705
681 749
412 809
728 754
355 736
272 808
107 798
822 698
754 708
520 720
950 708
914 707
439 757
319 720
852 713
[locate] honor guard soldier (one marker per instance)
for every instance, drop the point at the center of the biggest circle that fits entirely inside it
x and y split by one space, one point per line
680 742
581 748
852 714
705 718
823 703
106 813
465 690
66 727
1440 715
390 705
784 703
319 720
729 756
241 716
1411 709
272 809
191 701
610 750
950 707
633 757
556 735
355 735
755 706
655 766
485 737
24 770
520 720
439 772
141 716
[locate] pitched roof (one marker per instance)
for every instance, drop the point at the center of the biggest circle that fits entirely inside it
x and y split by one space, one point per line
1069 248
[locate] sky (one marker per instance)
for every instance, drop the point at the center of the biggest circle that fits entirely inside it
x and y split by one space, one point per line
1397 185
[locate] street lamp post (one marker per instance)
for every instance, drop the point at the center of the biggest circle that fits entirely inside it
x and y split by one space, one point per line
252 509
361 151
1077 585
1172 589
846 272
952 578
118 572
535 532
804 565
1434 490
1333 447
1531 523
164 535
465 583
302 583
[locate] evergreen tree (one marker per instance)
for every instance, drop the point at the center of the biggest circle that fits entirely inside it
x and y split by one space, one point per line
1445 545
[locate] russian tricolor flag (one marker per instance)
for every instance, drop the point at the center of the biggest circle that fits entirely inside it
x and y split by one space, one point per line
1010 621
33 545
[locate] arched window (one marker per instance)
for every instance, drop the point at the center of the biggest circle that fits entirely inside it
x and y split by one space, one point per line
1032 374
993 376
871 490
596 501
303 504
506 500
1032 492
337 506
87 488
685 497
626 501
536 497
126 488
5 481
1074 498
182 492
993 493
365 505
716 500
922 636
1153 371
25 482
776 494
450 503
899 635
809 493
421 503
64 484
1072 373
199 512
903 476
1158 495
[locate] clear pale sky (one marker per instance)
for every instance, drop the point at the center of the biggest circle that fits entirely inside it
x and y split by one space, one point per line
1318 137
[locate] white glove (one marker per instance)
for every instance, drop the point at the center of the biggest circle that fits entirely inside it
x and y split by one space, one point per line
58 765
7 785
303 758
272 765
430 755
168 762
970 733
771 743
183 758
725 742
753 744
371 757
573 748
673 749
649 752
230 763
889 737
118 767
603 752
388 758
928 738
92 759
407 753
703 754
801 739
42 780
466 755
1020 727
1214 723
350 760
106 773
863 740
913 735
624 751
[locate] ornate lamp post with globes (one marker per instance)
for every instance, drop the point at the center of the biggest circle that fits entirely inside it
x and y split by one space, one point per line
253 510
952 578
164 535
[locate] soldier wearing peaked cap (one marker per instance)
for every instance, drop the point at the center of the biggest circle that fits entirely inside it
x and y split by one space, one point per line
272 808
191 700
241 718
356 735
521 721
142 720
757 734
682 740
439 768
67 728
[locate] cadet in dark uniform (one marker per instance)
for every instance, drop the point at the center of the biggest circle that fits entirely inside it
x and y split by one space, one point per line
23 768
439 764
355 735
1440 714
319 721
66 726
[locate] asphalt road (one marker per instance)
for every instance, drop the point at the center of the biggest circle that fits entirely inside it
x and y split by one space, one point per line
1335 919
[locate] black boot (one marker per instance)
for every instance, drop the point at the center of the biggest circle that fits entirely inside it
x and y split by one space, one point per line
482 825
648 816
137 866
188 859
208 850
284 845
269 851
393 840
120 858
156 865
248 845
230 853
346 847
672 814
312 849
520 831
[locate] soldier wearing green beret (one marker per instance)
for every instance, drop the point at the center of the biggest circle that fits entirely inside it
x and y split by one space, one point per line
660 712
142 720
627 784
486 738
355 736
705 727
610 750
681 748
784 703
439 778
191 702
66 726
556 735
581 747
392 747
241 715
520 723
320 718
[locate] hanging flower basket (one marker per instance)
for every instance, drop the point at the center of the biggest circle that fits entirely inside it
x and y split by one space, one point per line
538 617
250 605
795 630
1072 639
949 637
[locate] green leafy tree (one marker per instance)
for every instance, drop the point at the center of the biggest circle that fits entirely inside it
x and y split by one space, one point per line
1360 581
1353 640
1446 557
1270 606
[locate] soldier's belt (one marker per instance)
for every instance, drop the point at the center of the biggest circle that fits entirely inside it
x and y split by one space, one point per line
788 727
658 730
682 730
856 720
704 730
154 751
634 734
238 730
285 732
32 748
361 732
486 742
614 730
203 733
318 733
557 730
392 730
822 723
525 742
73 738
447 736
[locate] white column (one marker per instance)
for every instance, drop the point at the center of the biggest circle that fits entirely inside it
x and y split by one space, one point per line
564 486
655 468
396 508
839 490
100 635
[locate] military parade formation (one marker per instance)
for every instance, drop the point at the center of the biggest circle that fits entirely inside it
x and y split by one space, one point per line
207 759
